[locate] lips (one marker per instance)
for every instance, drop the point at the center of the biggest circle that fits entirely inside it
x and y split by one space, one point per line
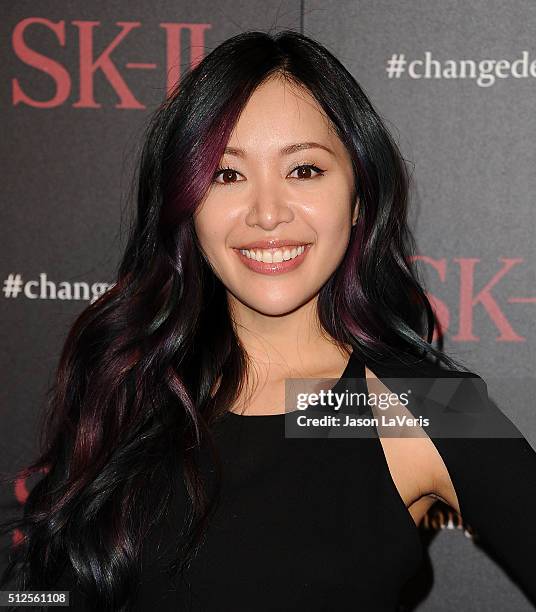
274 267
274 243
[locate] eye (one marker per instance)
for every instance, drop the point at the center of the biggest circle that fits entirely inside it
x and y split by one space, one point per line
308 167
226 173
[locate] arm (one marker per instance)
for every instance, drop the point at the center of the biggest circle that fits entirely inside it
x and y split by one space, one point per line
490 481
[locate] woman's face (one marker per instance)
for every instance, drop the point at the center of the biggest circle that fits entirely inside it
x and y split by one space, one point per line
303 197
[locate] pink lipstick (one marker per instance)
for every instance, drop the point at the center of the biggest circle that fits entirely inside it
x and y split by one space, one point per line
262 247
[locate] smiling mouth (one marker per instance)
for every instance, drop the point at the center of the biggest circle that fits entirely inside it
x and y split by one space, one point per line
274 255
275 260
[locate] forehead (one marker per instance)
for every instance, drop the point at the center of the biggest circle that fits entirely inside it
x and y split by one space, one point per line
279 112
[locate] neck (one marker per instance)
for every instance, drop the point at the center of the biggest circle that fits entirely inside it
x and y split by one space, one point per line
292 342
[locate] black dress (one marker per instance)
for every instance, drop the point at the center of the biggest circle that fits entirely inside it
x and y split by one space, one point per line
316 524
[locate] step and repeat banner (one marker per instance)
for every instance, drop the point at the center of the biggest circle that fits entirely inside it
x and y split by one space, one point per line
455 83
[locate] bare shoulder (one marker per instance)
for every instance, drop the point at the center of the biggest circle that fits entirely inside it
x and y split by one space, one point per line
416 465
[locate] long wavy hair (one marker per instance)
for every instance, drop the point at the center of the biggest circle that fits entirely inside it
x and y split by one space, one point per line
133 396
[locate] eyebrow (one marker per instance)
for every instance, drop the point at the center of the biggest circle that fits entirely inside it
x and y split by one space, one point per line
288 150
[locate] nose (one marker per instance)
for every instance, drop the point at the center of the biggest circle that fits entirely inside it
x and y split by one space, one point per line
268 212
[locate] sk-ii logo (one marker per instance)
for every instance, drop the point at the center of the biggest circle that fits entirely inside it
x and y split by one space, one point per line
471 297
90 62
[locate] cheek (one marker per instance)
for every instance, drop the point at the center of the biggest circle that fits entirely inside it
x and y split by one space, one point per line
218 214
333 222
209 228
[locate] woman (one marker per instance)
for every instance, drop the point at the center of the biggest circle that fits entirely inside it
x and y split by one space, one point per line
270 243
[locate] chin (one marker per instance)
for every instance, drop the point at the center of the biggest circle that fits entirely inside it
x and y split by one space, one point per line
276 307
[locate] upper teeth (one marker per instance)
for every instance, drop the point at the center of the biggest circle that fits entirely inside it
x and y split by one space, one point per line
273 256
